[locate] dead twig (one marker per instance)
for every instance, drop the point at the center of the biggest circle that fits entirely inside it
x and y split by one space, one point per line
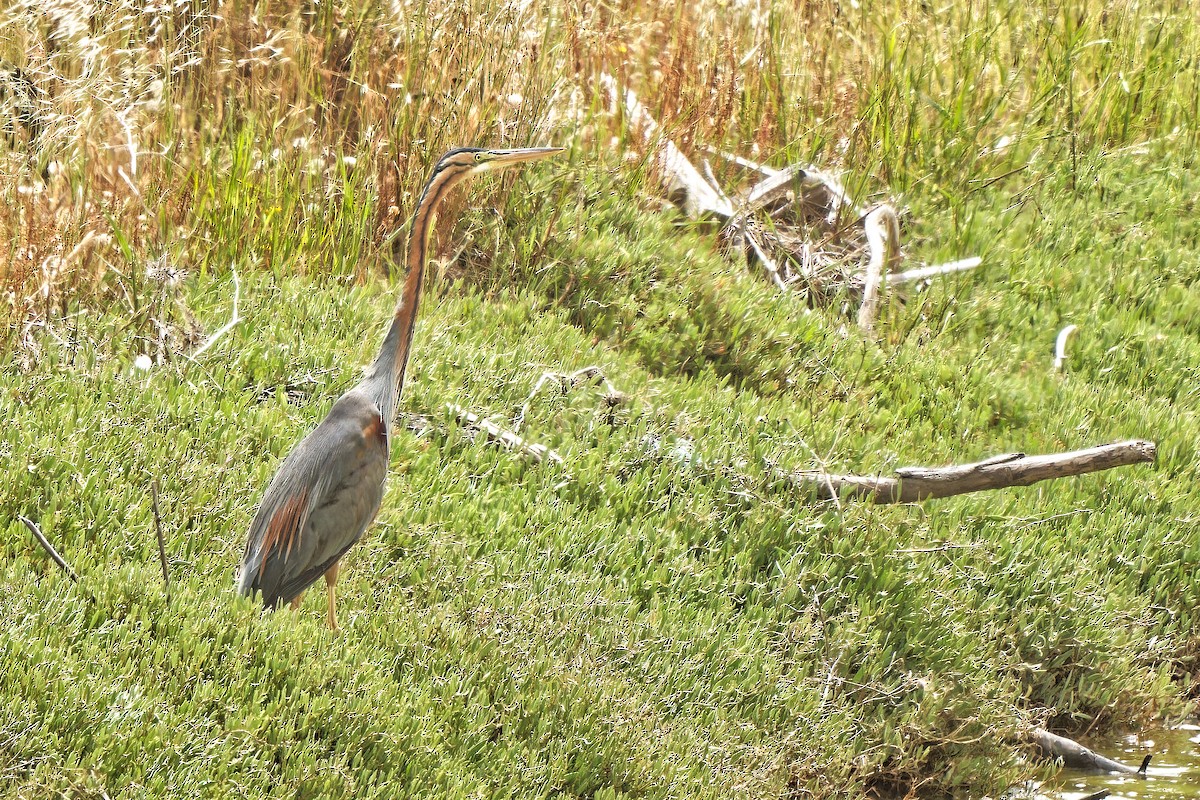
1030 523
745 163
506 438
914 484
682 176
712 180
49 548
1060 347
565 383
939 549
234 319
831 677
883 238
768 263
924 273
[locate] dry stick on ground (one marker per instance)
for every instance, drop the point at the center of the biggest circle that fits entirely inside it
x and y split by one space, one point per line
49 548
1060 347
699 197
932 271
506 438
511 439
162 545
914 484
233 320
712 180
768 263
569 381
1077 756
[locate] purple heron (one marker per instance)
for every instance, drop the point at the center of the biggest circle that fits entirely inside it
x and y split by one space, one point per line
328 490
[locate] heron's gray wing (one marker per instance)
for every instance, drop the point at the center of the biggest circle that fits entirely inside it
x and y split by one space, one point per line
340 519
325 494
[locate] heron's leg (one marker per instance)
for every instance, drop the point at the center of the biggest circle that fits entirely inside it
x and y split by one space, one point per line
330 580
295 604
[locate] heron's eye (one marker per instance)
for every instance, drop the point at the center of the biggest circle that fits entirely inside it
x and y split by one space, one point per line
479 158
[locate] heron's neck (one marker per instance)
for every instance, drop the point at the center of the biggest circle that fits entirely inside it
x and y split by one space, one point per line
385 377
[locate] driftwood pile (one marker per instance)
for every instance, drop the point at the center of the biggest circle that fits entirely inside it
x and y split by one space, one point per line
799 224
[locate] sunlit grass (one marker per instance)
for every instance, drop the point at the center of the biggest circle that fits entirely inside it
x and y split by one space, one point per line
658 617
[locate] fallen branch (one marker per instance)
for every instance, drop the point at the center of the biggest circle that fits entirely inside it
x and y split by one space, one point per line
711 179
506 438
745 163
49 548
883 237
914 484
942 548
763 258
1076 756
683 177
924 273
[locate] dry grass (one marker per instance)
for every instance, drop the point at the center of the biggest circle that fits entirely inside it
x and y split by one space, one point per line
188 131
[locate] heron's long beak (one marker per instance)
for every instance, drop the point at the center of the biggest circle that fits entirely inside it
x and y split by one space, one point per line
503 158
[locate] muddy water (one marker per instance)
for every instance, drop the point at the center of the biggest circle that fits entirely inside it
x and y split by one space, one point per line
1174 769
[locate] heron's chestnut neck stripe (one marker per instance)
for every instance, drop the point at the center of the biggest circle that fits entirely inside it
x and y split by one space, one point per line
387 373
406 308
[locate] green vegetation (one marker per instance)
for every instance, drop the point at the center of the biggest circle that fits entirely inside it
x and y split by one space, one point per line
658 618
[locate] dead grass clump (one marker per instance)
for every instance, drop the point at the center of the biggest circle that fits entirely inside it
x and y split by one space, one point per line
200 134
148 111
261 132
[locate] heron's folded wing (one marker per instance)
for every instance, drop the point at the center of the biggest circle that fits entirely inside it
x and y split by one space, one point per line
318 504
297 488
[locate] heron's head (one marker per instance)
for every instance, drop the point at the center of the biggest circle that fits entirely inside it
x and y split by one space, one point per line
473 160
453 168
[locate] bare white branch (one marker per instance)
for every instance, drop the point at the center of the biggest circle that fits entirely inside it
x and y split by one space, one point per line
505 437
568 381
682 175
768 263
1060 347
234 320
745 163
883 238
922 273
